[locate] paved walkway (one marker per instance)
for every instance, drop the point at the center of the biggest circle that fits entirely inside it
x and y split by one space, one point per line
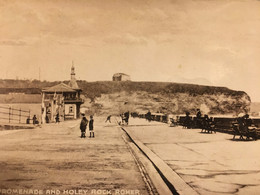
209 163
55 158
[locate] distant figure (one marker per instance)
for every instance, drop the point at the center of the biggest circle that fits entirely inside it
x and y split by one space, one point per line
47 119
35 120
198 114
91 126
247 121
205 122
198 119
122 119
148 116
83 126
173 123
187 121
240 122
57 118
28 120
126 116
108 119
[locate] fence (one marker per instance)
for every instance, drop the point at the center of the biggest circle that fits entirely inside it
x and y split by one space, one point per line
13 114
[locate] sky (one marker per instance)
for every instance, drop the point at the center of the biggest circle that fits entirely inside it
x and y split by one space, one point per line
208 42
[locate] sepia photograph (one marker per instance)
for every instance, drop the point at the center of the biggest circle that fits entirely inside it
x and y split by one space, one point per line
129 97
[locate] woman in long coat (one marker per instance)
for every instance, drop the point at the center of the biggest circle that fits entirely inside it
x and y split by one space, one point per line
83 126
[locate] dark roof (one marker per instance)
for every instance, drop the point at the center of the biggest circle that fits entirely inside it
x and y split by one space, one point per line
120 74
62 87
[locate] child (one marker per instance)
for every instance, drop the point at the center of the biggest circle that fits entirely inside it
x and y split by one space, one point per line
91 126
83 126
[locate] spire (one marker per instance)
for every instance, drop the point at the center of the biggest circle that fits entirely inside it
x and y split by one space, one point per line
73 83
72 70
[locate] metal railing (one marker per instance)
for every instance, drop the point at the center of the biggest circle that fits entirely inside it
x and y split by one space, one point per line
13 114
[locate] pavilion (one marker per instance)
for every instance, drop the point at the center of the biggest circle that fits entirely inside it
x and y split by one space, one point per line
62 99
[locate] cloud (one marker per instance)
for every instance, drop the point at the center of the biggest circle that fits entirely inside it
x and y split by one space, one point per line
13 43
73 42
128 39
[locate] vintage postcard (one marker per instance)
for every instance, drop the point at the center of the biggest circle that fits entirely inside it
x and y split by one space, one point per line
129 97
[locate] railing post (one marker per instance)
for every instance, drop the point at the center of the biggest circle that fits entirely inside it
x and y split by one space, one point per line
20 116
9 114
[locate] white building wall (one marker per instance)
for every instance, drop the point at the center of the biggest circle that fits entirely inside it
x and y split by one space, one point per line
125 78
70 110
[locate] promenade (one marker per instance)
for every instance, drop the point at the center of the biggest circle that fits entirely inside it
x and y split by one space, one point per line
208 163
54 159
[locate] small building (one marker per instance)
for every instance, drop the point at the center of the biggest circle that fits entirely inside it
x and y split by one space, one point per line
121 77
63 100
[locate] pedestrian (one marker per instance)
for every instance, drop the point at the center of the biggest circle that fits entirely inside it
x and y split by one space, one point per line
57 118
47 119
198 114
187 121
108 119
35 121
122 118
83 126
198 119
126 114
148 116
28 120
91 126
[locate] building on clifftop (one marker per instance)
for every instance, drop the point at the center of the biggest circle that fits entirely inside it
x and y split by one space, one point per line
121 77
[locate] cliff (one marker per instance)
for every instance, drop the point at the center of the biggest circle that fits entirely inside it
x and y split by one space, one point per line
115 97
109 97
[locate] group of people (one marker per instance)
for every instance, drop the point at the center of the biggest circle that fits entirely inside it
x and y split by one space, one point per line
83 126
203 122
125 118
34 120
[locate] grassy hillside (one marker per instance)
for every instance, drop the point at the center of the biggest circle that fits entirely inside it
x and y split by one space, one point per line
106 97
116 97
14 83
95 89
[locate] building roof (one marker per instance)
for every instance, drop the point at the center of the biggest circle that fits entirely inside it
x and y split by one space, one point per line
120 74
62 87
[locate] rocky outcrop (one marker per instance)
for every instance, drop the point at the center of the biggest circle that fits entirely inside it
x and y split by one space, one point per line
173 98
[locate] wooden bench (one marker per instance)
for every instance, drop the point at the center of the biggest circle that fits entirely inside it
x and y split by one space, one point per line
243 131
208 127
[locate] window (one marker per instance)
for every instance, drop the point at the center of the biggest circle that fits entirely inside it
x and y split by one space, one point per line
71 109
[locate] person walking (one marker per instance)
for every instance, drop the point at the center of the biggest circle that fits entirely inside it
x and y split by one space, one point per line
57 118
91 126
108 119
83 126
